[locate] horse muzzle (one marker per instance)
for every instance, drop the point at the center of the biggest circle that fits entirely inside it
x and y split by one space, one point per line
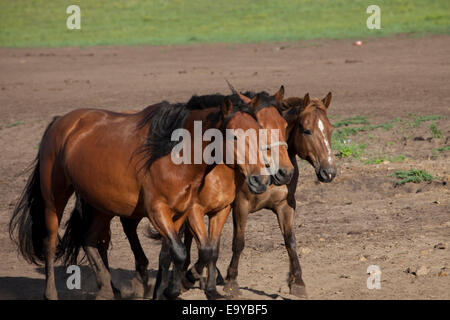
257 184
326 174
282 176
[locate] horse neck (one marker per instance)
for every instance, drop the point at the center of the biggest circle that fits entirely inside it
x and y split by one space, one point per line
292 147
292 131
210 119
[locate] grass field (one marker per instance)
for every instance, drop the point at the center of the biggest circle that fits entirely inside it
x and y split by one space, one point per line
42 23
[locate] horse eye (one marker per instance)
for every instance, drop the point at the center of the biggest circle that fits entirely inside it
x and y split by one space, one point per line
308 132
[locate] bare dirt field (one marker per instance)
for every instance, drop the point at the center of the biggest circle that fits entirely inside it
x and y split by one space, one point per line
362 218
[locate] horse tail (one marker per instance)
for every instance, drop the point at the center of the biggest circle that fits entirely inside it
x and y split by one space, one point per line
27 225
76 228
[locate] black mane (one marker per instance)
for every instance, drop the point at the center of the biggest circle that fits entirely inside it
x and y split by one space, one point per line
165 117
265 100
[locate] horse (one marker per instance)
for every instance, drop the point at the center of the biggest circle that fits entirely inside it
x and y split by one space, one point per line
309 136
269 116
216 198
122 165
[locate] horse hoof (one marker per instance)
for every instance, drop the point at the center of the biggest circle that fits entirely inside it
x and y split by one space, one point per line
172 294
104 297
148 291
51 296
214 295
117 293
231 288
186 284
298 290
105 294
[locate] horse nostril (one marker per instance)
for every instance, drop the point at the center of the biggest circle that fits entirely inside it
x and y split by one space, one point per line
324 174
255 180
327 174
331 173
282 172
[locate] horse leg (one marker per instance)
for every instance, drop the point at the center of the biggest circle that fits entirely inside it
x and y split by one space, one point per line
141 262
91 245
52 220
162 278
103 246
187 243
198 229
216 224
172 250
240 214
55 192
285 215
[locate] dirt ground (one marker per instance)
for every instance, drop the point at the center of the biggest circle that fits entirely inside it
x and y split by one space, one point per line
359 219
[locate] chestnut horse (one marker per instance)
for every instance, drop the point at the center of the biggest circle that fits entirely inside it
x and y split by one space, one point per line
120 164
215 199
309 136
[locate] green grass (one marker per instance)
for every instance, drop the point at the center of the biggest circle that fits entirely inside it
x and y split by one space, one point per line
343 133
374 161
42 23
15 124
413 175
435 132
442 149
353 120
378 160
419 119
346 148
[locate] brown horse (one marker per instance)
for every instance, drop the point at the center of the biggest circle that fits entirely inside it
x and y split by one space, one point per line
309 136
309 133
215 199
120 165
268 114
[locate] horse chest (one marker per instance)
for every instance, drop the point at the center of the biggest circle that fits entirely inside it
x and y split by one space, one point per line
269 199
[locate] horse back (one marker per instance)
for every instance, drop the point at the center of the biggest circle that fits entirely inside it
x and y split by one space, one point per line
97 150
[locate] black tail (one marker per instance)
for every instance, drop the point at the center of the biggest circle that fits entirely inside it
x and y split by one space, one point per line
27 225
76 228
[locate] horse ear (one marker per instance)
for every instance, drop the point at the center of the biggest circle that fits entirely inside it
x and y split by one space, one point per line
254 103
226 107
279 95
326 101
244 99
306 100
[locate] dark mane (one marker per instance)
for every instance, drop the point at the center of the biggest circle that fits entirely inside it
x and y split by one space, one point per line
215 100
265 100
165 117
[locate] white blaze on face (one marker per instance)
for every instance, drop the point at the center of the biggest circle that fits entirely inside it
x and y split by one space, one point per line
322 129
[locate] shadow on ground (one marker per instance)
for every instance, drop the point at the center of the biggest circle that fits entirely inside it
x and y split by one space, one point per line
24 288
